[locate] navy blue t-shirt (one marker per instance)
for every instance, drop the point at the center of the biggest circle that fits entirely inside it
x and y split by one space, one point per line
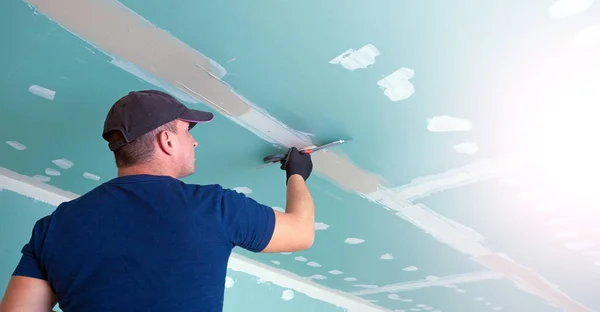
144 243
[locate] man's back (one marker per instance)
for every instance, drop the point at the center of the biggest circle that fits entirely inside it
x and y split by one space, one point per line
145 243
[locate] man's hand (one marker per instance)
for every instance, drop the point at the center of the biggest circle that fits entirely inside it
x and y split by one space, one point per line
296 163
295 229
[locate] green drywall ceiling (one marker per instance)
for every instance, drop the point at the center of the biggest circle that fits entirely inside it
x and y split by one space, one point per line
472 60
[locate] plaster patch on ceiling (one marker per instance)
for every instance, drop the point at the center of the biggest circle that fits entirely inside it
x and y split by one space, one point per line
287 295
567 8
300 258
451 280
91 176
317 277
344 173
171 60
410 269
386 256
360 58
32 188
448 231
320 226
397 86
42 92
335 272
469 148
63 163
395 297
16 145
481 170
354 241
350 279
152 79
366 286
313 264
269 128
52 172
587 37
398 298
41 178
448 124
286 253
275 262
217 70
243 190
229 282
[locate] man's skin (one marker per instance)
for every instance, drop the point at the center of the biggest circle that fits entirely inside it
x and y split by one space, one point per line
175 156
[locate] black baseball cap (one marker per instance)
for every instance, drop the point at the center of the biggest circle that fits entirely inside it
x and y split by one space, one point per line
142 111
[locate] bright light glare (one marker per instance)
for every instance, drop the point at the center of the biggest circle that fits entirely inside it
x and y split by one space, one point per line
569 141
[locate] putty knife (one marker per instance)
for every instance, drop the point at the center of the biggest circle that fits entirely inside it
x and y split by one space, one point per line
276 158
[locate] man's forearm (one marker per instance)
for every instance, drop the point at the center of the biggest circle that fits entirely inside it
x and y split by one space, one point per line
300 203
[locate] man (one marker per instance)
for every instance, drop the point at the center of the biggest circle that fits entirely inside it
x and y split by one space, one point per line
145 241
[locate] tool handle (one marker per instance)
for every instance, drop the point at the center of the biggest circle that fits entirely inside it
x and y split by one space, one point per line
309 150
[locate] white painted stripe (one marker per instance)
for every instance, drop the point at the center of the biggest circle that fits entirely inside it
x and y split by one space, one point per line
441 281
448 231
31 188
27 186
292 281
468 241
476 172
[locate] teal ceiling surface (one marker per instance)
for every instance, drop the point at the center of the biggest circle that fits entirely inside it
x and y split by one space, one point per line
492 65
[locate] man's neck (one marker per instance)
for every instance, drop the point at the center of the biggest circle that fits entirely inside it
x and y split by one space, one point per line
144 169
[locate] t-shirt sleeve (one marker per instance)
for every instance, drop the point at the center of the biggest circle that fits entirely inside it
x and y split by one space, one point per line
247 223
30 263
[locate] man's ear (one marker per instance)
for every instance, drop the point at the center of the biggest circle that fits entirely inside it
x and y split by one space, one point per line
166 141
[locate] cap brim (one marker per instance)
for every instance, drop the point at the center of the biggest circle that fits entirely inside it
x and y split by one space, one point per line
195 116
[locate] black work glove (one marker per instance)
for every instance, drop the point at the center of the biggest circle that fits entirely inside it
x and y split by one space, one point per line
296 163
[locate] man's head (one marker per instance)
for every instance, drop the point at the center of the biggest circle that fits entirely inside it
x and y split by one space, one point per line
150 129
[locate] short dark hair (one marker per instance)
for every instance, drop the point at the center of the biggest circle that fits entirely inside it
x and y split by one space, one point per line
141 149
